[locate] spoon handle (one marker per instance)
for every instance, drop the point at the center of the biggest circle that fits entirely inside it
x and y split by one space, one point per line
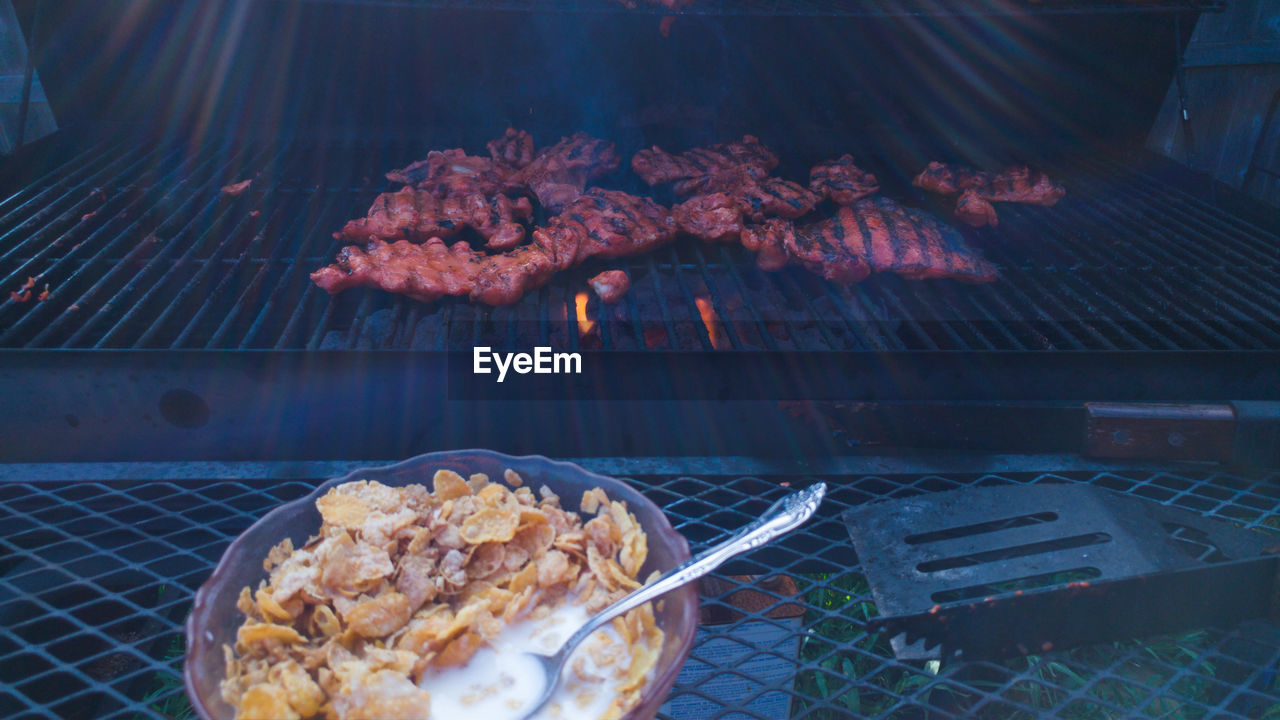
783 516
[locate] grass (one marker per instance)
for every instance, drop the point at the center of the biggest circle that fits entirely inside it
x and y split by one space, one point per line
167 696
856 673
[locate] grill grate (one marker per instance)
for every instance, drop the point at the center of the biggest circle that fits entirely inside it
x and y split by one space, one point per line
97 577
139 249
854 8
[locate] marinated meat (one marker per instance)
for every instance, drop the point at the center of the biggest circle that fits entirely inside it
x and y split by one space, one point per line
610 285
977 189
600 223
699 166
504 278
975 210
872 235
1021 184
417 215
819 248
772 197
715 217
950 179
450 173
1016 184
768 241
514 149
425 272
841 181
720 216
557 175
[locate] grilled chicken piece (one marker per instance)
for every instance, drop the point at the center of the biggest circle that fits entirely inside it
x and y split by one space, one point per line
417 215
450 173
841 181
872 235
720 216
1018 183
425 272
557 175
715 217
698 168
610 285
601 223
975 210
513 150
769 241
821 248
977 189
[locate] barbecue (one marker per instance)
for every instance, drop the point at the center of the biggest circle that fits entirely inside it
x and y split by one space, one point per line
874 234
184 375
452 173
704 169
977 189
611 285
419 215
601 223
513 150
558 174
841 182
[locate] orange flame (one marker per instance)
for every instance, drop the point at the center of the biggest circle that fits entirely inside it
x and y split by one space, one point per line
585 324
711 321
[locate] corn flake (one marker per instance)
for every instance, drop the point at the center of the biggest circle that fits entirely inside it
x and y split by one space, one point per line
402 580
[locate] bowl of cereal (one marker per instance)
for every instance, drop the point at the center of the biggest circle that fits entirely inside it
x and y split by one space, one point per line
413 590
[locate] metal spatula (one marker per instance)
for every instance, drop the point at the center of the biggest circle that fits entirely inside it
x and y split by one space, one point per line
1001 571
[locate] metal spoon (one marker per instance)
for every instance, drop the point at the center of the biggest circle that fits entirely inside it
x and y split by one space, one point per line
784 516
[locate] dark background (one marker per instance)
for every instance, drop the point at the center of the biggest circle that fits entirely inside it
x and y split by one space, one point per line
213 69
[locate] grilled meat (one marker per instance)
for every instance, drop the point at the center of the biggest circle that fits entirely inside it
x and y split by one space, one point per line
768 241
720 216
1016 184
950 179
600 223
819 248
610 285
841 181
557 175
872 235
513 150
450 173
977 189
425 272
418 215
696 169
975 210
714 217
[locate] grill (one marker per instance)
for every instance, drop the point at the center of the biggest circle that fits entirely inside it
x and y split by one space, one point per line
97 578
181 336
139 249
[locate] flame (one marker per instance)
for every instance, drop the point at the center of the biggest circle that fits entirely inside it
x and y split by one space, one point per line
711 322
585 324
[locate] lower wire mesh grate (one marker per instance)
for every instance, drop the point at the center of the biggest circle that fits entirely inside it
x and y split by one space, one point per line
96 580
